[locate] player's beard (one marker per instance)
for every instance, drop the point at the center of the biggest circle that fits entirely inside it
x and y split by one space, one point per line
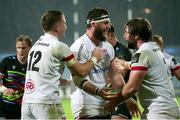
132 45
98 33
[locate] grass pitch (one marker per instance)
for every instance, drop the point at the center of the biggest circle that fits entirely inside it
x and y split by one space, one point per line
67 107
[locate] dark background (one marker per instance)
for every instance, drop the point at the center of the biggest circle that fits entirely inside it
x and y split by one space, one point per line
23 17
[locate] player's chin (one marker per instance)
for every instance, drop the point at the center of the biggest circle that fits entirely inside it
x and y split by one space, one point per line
22 57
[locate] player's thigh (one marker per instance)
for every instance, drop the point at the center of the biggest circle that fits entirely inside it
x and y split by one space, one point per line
48 111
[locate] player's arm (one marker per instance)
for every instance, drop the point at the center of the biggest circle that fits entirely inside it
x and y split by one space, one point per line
82 69
87 86
63 53
122 65
2 70
139 68
116 76
4 89
135 79
130 88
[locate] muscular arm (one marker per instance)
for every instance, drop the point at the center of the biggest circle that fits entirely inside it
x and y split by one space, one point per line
94 90
63 53
81 69
115 76
133 84
116 79
105 93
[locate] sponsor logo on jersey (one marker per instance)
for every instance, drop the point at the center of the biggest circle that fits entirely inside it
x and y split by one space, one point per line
42 44
100 70
30 86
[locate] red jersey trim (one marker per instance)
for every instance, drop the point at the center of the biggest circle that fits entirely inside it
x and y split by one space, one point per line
68 58
139 68
176 68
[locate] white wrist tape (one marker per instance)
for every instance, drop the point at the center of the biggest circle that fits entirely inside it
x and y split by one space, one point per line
3 88
94 59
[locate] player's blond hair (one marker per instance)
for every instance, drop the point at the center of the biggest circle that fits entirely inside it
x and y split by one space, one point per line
24 38
159 40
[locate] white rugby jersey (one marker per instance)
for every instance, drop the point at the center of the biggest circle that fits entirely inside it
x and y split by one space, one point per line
84 104
171 62
45 66
156 92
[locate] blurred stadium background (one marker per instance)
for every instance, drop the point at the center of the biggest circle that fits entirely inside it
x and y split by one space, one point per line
23 17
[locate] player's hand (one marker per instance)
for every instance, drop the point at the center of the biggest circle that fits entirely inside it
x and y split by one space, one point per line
97 53
133 108
109 106
107 93
122 64
9 92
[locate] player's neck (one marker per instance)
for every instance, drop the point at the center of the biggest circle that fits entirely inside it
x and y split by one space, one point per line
54 34
139 43
22 60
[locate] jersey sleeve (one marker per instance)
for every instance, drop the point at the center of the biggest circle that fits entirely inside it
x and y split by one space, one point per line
174 65
63 53
140 60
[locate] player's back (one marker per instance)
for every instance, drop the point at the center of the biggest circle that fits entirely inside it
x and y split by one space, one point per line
43 72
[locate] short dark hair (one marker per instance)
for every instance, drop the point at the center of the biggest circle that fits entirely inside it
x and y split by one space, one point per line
141 27
24 38
96 13
49 18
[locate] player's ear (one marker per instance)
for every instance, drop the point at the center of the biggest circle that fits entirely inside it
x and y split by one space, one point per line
93 24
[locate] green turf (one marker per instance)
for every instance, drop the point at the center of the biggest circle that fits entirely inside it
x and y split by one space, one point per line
66 104
67 107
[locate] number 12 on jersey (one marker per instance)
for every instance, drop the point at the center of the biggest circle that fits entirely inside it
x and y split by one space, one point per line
35 57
